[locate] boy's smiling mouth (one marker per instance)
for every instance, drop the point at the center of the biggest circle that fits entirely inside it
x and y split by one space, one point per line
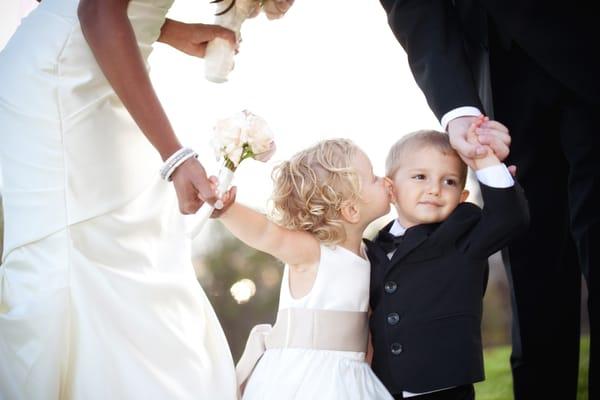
430 203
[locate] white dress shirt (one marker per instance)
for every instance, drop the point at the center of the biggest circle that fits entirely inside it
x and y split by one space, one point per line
465 111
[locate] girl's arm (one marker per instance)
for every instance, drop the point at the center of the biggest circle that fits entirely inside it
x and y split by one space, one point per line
254 229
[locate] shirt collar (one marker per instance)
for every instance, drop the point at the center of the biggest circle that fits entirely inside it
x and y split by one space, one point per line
397 229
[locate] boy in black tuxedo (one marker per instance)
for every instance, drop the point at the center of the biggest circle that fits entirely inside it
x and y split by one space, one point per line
428 267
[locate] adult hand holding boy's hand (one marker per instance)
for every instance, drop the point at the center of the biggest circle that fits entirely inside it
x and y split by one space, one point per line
490 133
486 157
495 135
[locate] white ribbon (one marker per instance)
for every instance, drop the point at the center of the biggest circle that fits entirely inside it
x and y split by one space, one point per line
199 219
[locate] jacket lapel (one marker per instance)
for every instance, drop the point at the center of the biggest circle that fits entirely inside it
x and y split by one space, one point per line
413 238
376 254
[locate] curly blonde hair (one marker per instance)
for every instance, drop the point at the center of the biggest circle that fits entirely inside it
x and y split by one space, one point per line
311 188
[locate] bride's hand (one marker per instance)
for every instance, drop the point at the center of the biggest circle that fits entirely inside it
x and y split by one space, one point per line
275 9
192 39
192 186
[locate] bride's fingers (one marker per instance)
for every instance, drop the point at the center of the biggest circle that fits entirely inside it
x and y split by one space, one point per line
224 33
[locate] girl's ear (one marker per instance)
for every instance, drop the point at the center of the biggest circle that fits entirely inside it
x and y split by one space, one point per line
464 195
350 212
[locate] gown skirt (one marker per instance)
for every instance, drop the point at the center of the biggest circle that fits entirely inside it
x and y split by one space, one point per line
99 298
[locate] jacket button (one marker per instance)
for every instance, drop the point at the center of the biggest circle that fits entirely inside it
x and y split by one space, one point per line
396 348
393 318
390 287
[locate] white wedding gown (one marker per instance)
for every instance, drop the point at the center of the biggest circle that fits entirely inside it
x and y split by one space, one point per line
99 297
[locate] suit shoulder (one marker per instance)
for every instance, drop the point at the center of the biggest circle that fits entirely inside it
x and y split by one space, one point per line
461 220
466 210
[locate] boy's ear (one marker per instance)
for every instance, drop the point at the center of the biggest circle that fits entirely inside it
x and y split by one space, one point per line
350 212
389 184
464 195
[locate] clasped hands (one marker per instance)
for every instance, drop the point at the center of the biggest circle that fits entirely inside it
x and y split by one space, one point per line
474 137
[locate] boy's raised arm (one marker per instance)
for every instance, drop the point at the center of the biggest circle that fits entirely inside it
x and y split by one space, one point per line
505 212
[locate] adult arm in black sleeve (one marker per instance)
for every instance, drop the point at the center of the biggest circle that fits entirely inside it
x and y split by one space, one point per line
429 32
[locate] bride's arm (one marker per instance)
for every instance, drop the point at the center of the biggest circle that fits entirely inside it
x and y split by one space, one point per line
109 33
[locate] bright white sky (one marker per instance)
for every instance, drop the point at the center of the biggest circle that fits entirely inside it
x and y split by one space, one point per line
327 69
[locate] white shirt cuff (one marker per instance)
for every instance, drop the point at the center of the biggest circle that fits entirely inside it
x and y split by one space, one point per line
496 176
466 111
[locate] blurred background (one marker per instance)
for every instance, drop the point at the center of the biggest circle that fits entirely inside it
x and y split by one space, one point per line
327 69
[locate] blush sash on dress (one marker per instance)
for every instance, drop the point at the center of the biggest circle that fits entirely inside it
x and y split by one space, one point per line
307 329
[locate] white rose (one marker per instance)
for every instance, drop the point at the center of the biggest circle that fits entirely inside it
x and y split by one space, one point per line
276 8
231 134
227 134
258 134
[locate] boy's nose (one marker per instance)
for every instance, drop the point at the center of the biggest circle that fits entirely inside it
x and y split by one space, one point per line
434 188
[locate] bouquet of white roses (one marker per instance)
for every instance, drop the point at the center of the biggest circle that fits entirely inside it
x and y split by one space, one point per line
218 60
242 136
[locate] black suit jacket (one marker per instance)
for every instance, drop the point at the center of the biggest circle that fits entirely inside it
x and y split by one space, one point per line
447 44
426 301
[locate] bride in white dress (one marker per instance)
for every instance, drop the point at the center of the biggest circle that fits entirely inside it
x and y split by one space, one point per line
98 295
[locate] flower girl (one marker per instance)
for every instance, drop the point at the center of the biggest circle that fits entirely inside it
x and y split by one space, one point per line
324 198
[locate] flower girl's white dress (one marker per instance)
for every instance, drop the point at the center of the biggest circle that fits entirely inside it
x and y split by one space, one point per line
316 349
99 297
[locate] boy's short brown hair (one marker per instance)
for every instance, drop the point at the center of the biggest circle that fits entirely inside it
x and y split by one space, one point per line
416 141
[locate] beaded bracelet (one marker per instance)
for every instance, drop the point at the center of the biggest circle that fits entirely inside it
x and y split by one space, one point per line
174 161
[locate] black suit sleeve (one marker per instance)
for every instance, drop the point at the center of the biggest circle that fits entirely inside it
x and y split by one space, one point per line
429 32
504 216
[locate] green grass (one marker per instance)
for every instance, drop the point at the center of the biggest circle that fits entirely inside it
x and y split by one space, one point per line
498 383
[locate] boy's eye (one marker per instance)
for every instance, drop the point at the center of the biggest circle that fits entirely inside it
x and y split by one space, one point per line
450 182
419 177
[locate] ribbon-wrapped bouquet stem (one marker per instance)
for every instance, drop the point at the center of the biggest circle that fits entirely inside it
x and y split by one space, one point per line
232 14
242 136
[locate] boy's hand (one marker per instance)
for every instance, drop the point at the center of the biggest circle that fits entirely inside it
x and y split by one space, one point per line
227 200
490 157
490 133
495 135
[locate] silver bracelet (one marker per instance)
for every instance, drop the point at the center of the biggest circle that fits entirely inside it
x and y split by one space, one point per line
174 161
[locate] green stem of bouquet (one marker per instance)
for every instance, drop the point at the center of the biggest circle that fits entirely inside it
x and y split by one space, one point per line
246 153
